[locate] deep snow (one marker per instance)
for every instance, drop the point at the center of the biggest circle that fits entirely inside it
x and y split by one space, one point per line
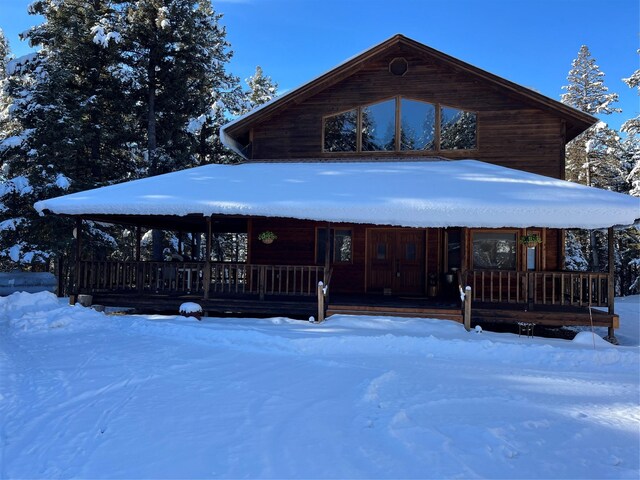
88 395
409 193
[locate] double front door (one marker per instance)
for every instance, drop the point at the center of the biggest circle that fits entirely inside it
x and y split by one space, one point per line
396 260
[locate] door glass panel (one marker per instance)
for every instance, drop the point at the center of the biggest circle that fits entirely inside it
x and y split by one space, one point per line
340 132
381 251
453 249
410 252
379 126
342 246
417 125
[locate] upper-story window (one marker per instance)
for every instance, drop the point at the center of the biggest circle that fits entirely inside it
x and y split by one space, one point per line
417 125
379 127
400 124
457 129
340 132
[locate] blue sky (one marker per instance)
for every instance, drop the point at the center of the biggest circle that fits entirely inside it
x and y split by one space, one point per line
531 42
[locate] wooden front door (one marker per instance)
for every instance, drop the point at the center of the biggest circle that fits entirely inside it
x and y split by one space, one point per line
395 260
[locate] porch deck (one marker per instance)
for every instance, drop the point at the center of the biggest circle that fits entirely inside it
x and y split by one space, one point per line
543 298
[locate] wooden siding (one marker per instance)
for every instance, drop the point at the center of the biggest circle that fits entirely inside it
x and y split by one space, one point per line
296 245
511 132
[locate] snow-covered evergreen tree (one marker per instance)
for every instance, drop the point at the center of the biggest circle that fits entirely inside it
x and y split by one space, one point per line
262 89
586 90
67 101
177 53
629 239
592 157
632 144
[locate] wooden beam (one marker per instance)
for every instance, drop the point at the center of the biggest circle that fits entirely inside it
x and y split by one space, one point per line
78 252
320 302
138 242
207 261
612 268
467 308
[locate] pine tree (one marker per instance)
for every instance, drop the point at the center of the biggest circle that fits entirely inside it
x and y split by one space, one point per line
632 144
586 90
262 89
177 54
66 99
629 239
591 158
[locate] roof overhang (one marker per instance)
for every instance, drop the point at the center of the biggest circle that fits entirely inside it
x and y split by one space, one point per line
464 193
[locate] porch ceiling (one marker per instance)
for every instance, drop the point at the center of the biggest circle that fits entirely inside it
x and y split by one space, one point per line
408 193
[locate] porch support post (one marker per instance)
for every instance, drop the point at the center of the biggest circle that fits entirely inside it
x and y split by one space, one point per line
464 247
467 308
207 261
138 242
76 289
327 252
612 287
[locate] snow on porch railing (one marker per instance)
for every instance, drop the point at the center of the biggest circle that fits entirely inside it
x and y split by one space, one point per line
188 277
540 288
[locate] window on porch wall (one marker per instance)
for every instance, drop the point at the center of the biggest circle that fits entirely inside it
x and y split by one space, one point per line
229 247
340 250
494 251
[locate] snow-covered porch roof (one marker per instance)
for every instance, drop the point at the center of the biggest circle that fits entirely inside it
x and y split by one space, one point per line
409 193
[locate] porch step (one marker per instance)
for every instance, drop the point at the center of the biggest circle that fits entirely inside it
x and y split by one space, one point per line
438 313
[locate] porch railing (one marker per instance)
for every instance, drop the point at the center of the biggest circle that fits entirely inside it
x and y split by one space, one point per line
541 288
188 277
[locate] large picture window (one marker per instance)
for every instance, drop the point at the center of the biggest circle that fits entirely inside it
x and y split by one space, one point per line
417 125
379 127
494 250
400 124
340 250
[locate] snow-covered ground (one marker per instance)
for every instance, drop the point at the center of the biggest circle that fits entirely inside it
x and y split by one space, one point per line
87 395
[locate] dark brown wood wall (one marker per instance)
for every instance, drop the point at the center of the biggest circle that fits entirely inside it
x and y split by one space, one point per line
296 245
510 132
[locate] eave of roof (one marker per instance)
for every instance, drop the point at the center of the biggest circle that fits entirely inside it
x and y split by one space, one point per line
411 194
581 121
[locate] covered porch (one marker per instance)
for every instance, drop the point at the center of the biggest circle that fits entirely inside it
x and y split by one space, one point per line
359 237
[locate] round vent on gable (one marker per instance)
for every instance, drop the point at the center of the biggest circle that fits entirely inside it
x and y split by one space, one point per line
398 66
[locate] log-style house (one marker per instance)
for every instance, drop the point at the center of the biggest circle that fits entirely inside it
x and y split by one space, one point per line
399 179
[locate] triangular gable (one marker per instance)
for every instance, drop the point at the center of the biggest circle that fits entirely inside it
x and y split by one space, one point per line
576 121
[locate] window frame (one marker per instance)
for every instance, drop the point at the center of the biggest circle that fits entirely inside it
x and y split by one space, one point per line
439 129
398 123
514 232
332 248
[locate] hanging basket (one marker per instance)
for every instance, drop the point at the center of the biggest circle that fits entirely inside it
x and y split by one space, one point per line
530 241
267 237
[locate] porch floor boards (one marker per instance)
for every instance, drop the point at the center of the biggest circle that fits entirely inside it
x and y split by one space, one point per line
548 315
398 306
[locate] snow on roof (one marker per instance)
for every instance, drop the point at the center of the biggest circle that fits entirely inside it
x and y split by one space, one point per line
413 194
